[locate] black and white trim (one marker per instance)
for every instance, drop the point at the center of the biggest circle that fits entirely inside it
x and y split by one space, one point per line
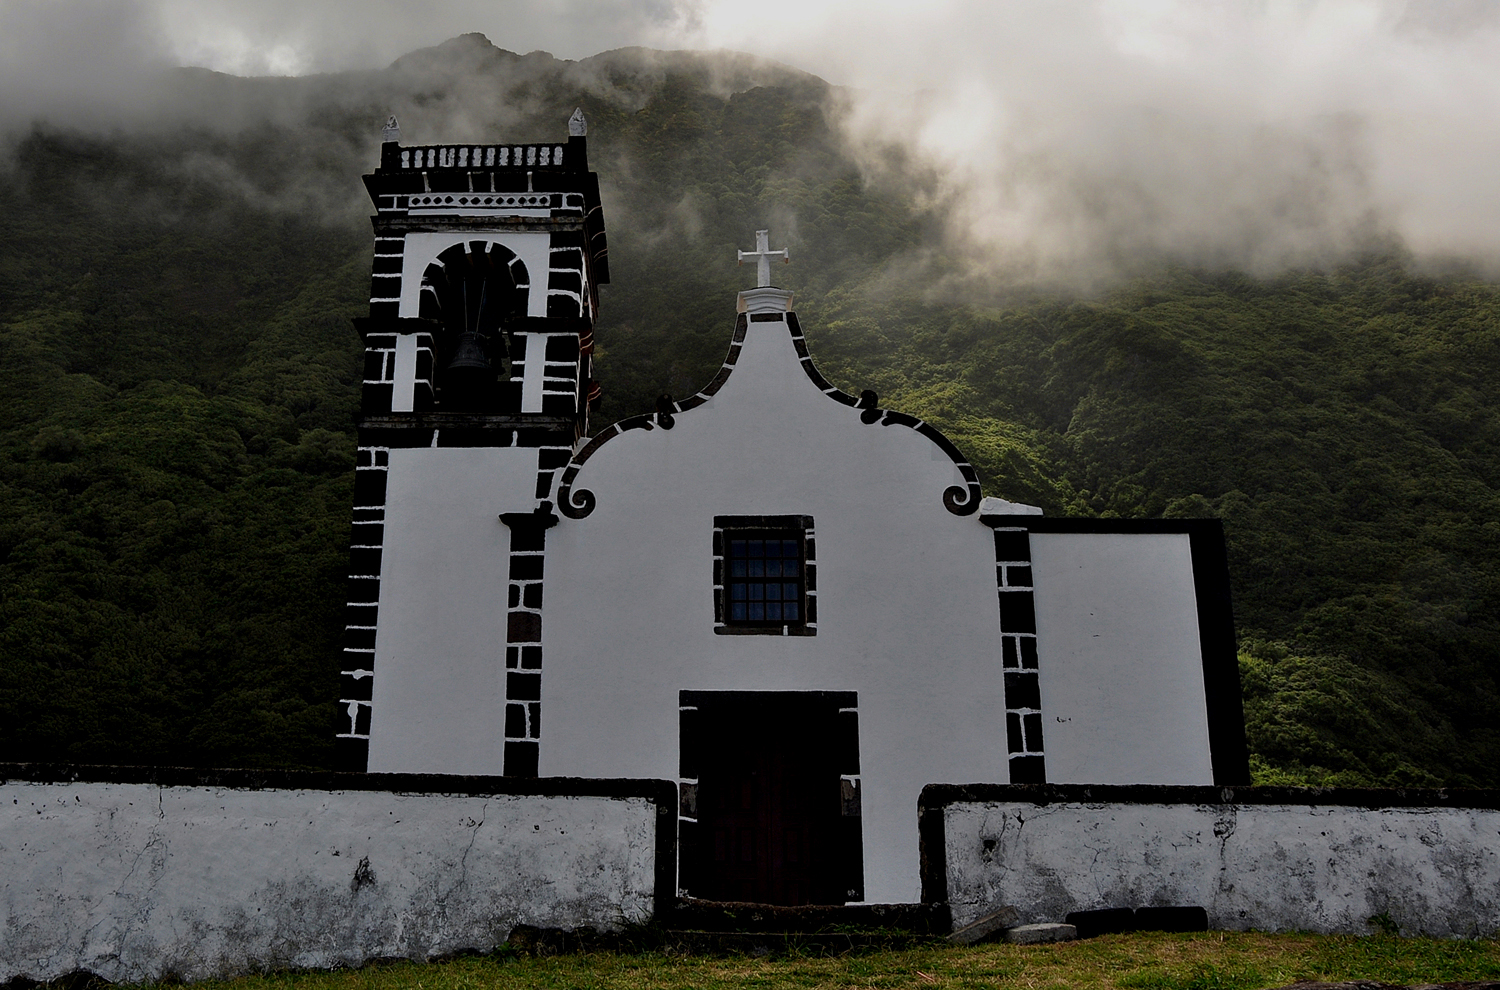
961 501
385 275
481 156
567 294
493 252
357 678
724 529
564 373
440 429
523 638
1018 656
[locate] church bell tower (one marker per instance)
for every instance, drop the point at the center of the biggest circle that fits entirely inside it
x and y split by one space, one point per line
477 385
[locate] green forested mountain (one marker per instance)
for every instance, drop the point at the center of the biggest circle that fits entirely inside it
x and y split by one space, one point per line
179 381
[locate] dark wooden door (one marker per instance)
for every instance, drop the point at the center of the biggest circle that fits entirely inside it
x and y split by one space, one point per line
770 819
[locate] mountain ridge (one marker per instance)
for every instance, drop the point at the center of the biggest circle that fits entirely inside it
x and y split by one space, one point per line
181 383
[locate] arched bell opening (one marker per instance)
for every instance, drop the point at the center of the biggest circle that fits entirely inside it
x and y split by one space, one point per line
473 290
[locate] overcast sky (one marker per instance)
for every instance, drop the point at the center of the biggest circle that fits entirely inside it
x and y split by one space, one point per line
1255 133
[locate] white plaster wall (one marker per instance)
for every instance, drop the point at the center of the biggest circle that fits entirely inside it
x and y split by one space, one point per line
422 250
439 686
404 376
907 615
134 881
1120 662
1271 867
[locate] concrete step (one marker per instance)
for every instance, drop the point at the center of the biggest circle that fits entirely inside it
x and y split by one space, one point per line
736 916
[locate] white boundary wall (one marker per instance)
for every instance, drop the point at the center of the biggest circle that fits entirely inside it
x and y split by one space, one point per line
133 881
1324 867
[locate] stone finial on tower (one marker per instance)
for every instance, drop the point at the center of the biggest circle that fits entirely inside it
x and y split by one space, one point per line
391 132
577 125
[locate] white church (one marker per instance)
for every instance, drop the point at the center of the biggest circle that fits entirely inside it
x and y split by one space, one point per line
791 601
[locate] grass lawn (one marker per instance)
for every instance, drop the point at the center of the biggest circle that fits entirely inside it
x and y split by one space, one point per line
1202 961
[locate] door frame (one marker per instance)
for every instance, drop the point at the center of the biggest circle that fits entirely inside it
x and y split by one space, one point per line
696 724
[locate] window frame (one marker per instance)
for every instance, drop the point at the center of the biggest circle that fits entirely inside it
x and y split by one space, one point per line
786 527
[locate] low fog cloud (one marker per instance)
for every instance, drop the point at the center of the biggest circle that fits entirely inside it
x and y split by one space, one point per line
1088 139
80 63
1064 140
97 64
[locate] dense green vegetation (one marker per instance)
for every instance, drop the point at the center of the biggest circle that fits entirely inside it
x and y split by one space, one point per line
179 383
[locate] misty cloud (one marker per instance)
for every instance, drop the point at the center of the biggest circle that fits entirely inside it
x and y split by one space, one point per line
83 63
1064 141
1096 139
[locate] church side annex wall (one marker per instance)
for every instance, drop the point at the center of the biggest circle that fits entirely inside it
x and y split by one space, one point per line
140 874
1268 858
1117 623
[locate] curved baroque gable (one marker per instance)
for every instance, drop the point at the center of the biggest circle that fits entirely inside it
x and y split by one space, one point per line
576 503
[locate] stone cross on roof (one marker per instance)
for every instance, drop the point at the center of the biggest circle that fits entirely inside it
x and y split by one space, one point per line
762 255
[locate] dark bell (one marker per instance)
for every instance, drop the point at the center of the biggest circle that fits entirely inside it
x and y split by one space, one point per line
469 376
469 355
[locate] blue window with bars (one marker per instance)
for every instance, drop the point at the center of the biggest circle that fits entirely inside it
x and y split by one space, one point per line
765 578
